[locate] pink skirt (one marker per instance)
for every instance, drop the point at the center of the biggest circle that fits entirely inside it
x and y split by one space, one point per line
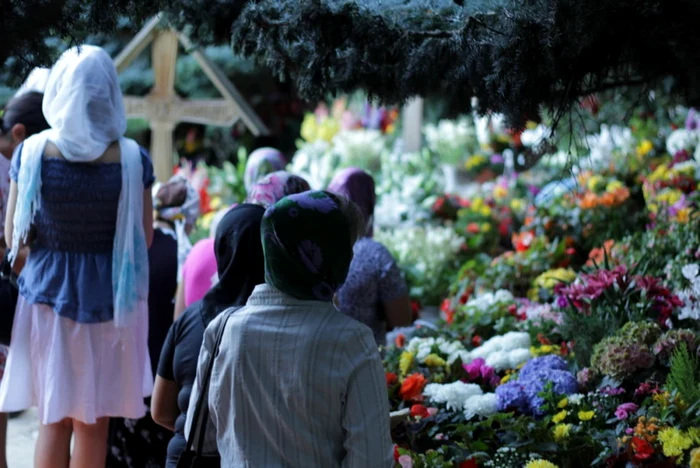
75 370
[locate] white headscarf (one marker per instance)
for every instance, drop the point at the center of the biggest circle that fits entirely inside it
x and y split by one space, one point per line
36 81
84 107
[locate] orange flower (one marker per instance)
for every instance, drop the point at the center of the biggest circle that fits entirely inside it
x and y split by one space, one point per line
523 240
589 200
597 254
412 387
400 340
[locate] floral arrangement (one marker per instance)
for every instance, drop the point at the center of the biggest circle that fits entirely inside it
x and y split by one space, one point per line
428 256
451 140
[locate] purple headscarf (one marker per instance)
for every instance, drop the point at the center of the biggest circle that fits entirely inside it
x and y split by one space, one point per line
261 162
358 186
274 187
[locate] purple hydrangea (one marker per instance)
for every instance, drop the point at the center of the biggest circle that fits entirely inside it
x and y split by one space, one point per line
523 394
511 396
563 383
534 366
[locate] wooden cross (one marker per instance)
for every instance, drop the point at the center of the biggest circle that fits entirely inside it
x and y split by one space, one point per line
164 109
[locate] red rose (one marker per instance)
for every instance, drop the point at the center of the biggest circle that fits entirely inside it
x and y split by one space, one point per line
412 387
391 378
641 448
473 228
476 341
419 411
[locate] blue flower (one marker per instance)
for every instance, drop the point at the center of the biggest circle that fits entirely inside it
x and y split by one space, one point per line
534 366
511 396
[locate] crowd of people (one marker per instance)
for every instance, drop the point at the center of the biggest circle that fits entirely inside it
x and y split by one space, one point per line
256 347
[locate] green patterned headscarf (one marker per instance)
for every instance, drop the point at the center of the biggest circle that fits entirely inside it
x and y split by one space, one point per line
307 242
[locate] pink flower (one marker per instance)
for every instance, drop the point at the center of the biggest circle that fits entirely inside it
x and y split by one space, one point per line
624 410
432 411
473 369
405 461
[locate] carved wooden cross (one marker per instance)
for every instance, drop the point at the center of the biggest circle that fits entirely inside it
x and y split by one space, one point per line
164 109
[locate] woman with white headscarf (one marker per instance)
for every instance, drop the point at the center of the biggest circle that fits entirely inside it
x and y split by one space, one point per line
138 443
80 197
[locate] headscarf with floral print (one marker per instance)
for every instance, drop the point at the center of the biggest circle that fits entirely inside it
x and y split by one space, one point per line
307 242
273 187
358 186
261 162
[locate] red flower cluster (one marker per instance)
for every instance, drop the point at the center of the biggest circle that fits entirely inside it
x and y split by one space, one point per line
592 286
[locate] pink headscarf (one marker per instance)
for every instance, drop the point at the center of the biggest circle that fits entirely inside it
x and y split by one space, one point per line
274 187
358 186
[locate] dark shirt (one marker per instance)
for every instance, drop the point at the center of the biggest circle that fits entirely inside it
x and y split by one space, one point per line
178 363
162 262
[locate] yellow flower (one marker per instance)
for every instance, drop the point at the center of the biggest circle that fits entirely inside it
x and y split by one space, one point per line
549 279
561 432
500 191
586 415
543 350
695 458
405 362
663 398
674 442
670 196
560 416
206 219
595 183
485 211
215 203
660 173
541 464
517 204
683 215
644 148
309 128
563 403
433 360
531 125
475 161
613 185
485 227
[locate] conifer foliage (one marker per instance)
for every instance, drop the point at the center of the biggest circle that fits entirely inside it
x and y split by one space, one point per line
513 55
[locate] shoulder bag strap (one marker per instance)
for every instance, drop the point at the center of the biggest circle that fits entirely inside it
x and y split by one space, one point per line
201 412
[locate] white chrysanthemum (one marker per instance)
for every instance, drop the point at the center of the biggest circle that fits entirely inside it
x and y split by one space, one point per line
681 139
575 399
463 355
454 395
690 271
481 405
516 340
519 356
499 360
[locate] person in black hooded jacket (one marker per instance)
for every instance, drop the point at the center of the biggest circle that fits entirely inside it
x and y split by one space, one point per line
240 264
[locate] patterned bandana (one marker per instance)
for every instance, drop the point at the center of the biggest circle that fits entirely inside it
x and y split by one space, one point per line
307 245
261 162
273 187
